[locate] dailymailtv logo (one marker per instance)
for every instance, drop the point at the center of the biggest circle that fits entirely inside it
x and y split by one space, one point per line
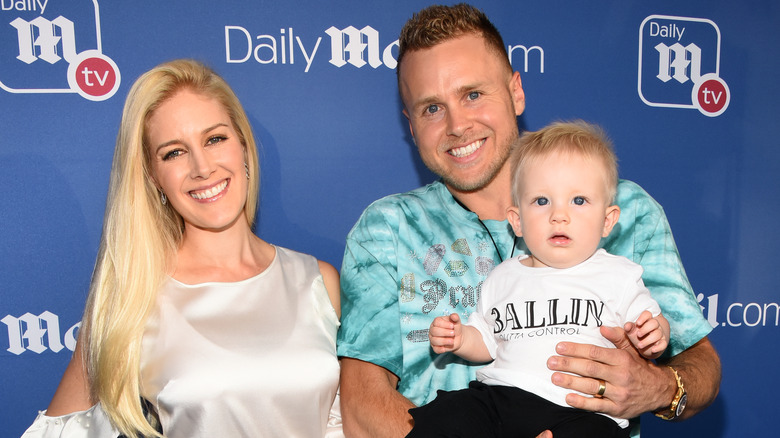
54 46
679 64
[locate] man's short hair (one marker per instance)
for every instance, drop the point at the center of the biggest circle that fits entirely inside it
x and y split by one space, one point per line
437 24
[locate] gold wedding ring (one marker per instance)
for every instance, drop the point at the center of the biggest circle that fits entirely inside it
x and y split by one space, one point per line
602 388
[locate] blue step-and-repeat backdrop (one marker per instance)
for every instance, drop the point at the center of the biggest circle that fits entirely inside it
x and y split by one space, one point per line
688 90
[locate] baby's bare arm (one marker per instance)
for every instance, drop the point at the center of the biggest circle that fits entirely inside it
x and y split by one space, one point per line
447 333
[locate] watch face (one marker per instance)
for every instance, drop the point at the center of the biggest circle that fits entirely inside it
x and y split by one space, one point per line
681 405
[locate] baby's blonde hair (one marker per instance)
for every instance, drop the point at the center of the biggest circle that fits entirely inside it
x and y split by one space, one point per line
577 137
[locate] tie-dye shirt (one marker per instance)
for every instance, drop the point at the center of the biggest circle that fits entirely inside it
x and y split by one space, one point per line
414 256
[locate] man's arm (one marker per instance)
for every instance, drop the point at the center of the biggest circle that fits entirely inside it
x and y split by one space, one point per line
370 404
369 339
700 371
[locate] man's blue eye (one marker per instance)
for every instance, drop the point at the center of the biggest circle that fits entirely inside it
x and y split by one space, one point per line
473 95
541 201
579 200
432 109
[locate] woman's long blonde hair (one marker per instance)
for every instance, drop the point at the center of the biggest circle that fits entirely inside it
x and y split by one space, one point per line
140 239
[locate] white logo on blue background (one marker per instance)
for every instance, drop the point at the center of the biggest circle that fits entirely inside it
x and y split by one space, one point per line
679 64
55 47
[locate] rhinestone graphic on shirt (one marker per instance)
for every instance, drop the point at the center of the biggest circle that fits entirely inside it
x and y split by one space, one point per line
407 289
461 246
456 268
449 273
484 265
433 258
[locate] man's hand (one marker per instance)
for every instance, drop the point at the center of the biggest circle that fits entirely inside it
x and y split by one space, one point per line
634 385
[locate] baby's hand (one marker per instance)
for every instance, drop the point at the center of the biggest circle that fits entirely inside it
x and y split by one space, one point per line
446 333
649 335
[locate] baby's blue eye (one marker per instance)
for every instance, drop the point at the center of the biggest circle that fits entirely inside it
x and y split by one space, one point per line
578 200
541 201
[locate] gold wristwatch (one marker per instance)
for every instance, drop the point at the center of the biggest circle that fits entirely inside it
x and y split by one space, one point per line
678 402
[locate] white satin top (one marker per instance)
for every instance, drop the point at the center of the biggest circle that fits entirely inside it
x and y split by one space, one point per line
254 358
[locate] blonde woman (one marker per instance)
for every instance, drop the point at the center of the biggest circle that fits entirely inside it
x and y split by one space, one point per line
194 326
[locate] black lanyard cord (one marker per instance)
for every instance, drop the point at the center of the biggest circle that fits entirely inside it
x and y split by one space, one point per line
514 242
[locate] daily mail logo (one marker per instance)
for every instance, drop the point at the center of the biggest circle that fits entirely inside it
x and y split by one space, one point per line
679 64
54 46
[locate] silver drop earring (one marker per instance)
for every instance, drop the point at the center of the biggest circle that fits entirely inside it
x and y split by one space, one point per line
246 168
163 198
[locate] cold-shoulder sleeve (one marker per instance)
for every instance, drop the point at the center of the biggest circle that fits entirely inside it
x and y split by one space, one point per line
92 423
